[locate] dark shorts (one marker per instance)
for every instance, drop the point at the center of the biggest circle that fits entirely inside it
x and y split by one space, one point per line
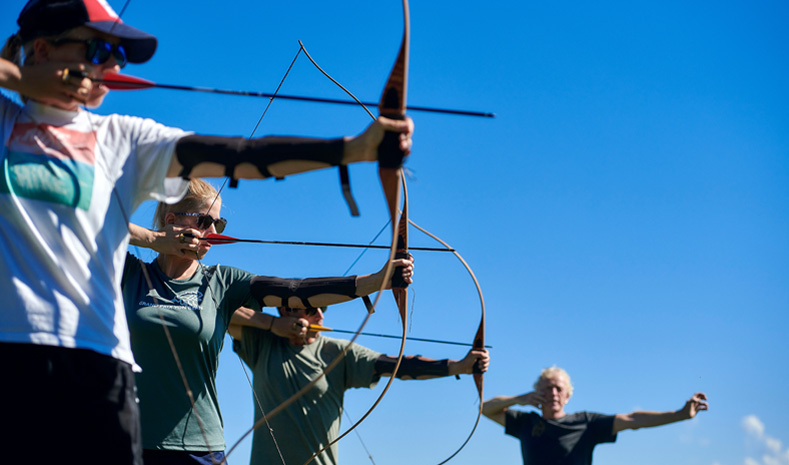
176 457
62 405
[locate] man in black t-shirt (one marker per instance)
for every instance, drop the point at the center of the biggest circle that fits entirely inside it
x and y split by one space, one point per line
558 438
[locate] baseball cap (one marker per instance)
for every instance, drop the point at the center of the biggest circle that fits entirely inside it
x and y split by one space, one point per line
40 18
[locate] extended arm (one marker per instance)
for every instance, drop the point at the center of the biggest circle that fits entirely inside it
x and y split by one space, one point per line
210 156
416 367
496 408
240 158
320 292
636 420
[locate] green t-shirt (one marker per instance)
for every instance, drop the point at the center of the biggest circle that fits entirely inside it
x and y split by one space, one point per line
197 312
280 370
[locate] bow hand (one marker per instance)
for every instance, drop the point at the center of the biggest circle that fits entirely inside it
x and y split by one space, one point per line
382 133
476 361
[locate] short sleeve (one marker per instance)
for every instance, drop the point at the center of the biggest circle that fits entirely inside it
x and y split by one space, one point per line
235 284
515 422
251 345
601 427
361 361
153 146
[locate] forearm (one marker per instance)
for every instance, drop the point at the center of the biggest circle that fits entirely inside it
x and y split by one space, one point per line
496 408
642 419
302 293
369 283
141 237
498 405
414 367
248 317
240 158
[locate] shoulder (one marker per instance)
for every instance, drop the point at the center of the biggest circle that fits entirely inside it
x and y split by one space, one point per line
593 416
355 351
227 273
144 131
132 266
592 420
519 416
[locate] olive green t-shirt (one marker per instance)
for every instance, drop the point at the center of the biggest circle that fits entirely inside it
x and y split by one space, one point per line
196 312
280 370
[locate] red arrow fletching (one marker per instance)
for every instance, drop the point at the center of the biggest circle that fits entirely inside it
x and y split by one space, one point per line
214 239
126 82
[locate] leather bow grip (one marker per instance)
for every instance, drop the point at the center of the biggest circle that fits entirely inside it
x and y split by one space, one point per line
389 154
397 276
479 343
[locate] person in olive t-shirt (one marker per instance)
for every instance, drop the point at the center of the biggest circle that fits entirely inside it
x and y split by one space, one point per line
558 438
284 358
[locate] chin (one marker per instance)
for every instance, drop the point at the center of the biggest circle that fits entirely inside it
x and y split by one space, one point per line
95 101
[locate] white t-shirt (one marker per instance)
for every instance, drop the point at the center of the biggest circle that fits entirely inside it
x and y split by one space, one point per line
68 185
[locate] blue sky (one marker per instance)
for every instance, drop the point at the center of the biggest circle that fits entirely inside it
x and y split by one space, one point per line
627 212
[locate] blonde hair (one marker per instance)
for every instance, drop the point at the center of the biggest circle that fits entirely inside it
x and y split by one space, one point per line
554 370
198 194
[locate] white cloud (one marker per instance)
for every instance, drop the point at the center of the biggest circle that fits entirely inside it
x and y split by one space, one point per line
771 448
774 445
753 426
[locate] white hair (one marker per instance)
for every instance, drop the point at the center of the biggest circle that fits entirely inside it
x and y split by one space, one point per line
554 370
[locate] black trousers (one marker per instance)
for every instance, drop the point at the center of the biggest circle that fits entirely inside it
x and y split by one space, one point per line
62 405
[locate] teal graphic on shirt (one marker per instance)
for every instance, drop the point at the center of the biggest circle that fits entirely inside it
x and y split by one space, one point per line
49 179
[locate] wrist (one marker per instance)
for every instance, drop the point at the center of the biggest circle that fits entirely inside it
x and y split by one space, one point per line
454 368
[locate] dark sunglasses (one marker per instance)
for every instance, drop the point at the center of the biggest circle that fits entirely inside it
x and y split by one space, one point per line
309 311
98 51
204 221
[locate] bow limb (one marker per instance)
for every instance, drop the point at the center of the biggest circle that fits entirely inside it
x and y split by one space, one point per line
479 337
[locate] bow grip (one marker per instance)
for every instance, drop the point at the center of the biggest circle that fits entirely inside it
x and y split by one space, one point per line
389 154
478 344
397 277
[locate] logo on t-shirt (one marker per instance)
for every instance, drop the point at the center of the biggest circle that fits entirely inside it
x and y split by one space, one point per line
50 163
538 429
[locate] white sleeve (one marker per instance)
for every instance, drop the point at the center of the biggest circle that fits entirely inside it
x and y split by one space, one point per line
153 146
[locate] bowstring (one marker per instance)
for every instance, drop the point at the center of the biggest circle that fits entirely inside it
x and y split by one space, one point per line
389 264
213 297
309 57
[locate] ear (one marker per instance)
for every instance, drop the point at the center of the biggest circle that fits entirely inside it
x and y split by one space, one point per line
41 49
169 218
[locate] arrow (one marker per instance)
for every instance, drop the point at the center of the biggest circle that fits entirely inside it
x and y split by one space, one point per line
215 239
323 328
126 82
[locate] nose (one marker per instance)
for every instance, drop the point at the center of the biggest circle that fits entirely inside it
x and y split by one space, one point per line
319 315
110 66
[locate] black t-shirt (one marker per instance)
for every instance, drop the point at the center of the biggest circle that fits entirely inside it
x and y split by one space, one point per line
569 440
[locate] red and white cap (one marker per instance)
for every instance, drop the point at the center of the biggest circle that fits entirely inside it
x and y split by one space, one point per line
41 18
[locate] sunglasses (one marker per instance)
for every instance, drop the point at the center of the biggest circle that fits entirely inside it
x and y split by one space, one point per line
309 311
98 51
204 221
